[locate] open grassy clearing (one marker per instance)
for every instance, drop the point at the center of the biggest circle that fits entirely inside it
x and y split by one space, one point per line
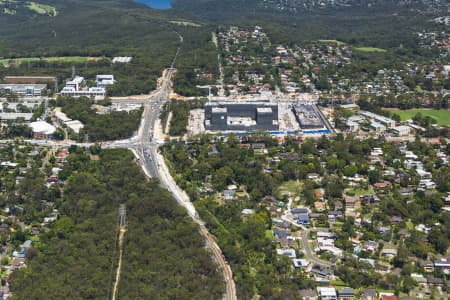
70 59
339 43
42 9
361 49
361 192
185 23
294 187
441 116
369 49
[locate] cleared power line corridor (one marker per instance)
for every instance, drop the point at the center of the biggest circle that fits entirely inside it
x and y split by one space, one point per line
122 231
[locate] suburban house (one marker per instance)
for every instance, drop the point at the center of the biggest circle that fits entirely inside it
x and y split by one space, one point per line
327 293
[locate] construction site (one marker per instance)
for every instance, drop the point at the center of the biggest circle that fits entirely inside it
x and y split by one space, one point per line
276 117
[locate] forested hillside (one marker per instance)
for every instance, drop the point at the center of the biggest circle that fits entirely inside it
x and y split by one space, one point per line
198 55
85 28
367 22
163 253
93 29
104 29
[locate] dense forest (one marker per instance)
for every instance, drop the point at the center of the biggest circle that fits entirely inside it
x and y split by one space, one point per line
163 253
198 56
121 27
358 25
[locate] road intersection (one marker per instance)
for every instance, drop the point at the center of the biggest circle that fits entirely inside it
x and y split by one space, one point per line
145 148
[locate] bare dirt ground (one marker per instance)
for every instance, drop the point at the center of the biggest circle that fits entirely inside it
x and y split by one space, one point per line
119 265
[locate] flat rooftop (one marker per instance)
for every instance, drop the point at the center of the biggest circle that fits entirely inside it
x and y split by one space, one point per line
21 86
241 116
219 109
264 110
308 116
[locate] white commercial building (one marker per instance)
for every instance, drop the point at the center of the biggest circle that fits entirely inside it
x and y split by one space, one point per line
402 130
73 88
61 117
64 121
15 116
93 92
377 127
24 90
75 125
42 130
121 59
352 126
104 80
389 123
75 83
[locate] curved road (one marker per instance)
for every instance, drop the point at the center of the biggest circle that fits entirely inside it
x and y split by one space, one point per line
310 255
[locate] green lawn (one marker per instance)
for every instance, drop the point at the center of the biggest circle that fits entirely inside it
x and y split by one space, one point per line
369 49
338 283
269 234
339 43
441 116
361 192
71 59
292 186
409 225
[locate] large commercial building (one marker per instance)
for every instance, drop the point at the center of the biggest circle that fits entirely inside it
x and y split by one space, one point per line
241 117
388 123
308 116
93 92
42 130
29 79
74 88
64 121
14 116
24 90
104 80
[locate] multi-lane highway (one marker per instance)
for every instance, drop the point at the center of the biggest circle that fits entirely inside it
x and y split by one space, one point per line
153 164
145 147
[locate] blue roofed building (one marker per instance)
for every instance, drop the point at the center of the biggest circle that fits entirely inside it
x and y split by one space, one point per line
303 219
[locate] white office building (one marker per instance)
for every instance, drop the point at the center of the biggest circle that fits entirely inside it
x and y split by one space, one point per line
104 80
42 130
75 125
75 83
402 130
389 123
93 92
24 90
74 88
